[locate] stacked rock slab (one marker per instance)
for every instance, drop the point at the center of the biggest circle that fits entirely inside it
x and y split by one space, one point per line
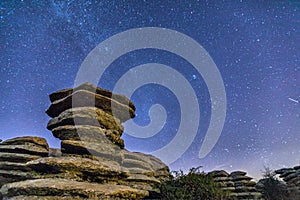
93 163
88 107
237 184
15 153
291 177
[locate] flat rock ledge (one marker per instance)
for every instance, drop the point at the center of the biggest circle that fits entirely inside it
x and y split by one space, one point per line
15 153
63 188
94 89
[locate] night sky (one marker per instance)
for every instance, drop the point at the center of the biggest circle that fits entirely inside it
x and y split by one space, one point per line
254 44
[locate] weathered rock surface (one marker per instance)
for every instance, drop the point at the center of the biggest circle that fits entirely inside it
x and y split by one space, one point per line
86 116
87 133
9 176
78 113
61 188
83 98
26 148
91 88
237 183
6 165
22 197
101 150
27 139
291 176
80 169
15 157
238 173
14 153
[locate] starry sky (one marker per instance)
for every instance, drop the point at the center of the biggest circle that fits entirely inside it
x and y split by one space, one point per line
254 44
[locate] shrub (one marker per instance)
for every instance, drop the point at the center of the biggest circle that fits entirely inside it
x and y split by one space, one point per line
272 188
194 185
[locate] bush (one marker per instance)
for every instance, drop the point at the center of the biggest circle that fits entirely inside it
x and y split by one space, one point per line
194 185
272 188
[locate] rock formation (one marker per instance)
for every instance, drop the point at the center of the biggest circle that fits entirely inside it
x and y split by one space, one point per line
15 153
93 163
291 176
237 183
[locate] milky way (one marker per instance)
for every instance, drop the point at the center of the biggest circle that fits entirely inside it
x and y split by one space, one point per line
254 44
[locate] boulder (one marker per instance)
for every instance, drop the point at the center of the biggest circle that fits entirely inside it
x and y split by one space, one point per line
25 148
94 89
27 139
241 178
102 150
133 161
237 183
88 134
238 173
83 98
86 116
291 178
222 179
14 153
287 173
218 173
22 150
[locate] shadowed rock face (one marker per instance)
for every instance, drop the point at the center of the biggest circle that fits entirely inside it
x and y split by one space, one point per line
291 176
92 162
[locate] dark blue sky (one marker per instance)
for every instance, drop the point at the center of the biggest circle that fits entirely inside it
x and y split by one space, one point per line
255 45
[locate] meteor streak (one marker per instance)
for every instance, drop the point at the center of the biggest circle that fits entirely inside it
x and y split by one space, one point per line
294 100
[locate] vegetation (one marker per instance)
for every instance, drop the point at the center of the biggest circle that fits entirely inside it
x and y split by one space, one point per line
192 186
271 187
274 189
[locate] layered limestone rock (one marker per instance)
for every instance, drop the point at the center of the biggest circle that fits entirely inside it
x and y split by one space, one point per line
92 162
85 98
94 89
291 176
85 111
15 153
67 189
237 184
